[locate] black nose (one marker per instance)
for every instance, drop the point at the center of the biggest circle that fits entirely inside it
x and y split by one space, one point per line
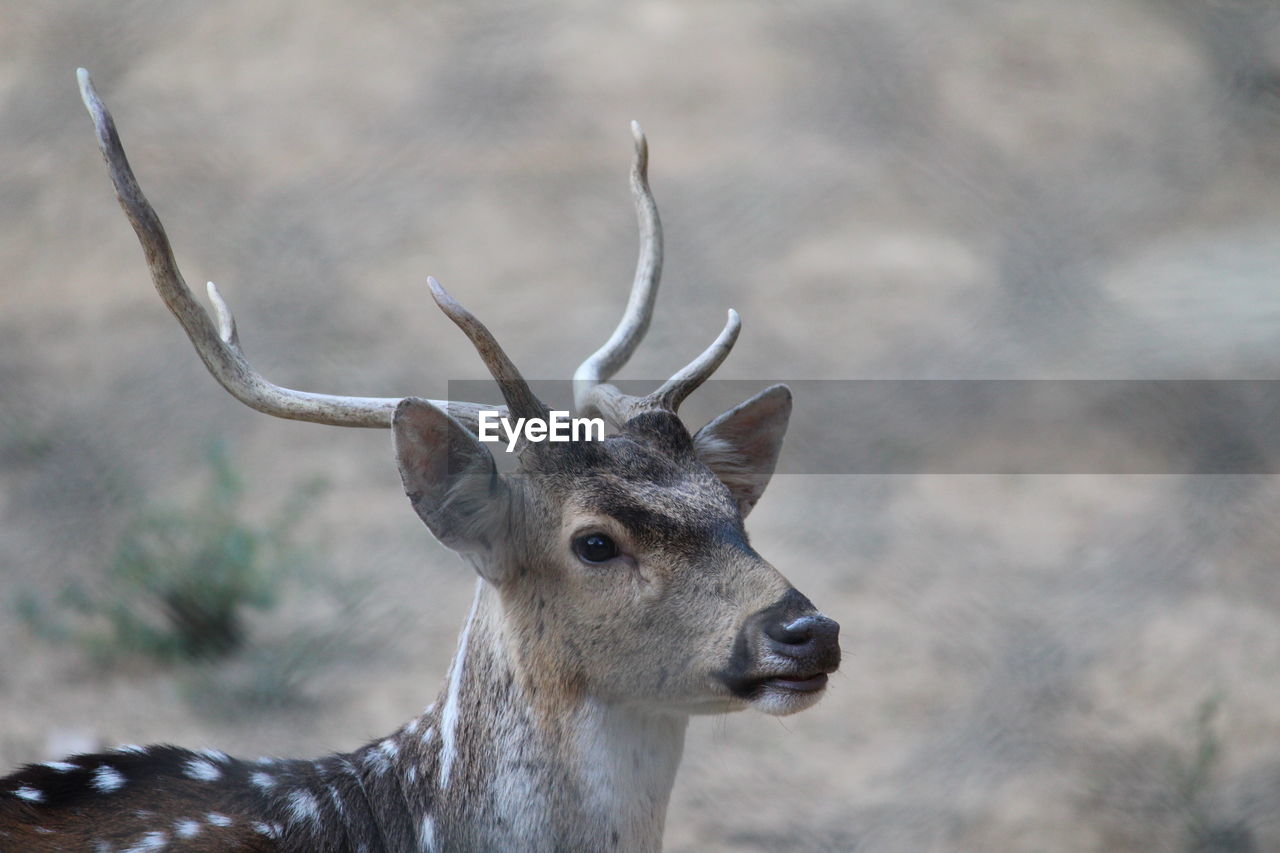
804 637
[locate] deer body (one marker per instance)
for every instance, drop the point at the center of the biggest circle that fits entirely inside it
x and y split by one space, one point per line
596 779
618 595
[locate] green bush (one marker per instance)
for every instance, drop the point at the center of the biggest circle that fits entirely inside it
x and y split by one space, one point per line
179 583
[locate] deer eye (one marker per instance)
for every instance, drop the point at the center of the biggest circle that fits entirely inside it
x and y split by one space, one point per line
595 548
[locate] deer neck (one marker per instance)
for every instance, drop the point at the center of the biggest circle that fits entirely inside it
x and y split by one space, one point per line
504 762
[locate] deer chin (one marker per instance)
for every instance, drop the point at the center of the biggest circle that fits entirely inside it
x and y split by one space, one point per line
711 706
779 696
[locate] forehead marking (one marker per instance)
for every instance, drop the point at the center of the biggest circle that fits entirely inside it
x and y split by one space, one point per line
664 509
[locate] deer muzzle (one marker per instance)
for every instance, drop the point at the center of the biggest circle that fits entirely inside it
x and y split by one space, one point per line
783 655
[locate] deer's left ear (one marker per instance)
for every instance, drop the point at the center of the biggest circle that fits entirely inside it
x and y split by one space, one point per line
741 446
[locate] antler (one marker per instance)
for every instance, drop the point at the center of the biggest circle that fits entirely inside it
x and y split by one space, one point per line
590 391
520 398
220 349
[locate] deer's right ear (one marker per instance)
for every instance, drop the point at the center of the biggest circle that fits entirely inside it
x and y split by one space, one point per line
452 482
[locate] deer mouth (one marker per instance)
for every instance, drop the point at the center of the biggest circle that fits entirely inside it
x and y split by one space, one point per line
780 695
806 684
797 685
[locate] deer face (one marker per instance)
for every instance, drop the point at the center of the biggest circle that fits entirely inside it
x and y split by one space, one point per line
623 567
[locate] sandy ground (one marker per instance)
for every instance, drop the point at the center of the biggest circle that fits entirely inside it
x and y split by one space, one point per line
942 190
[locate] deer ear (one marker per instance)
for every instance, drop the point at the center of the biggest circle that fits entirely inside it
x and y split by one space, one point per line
452 482
741 446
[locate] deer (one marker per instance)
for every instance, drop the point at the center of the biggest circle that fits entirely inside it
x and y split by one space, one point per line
617 595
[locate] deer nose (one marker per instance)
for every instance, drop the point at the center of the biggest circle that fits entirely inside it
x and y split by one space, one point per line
804 636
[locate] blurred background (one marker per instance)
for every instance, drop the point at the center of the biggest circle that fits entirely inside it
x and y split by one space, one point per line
942 189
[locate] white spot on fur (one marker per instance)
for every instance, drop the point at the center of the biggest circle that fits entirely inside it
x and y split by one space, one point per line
187 828
61 766
130 747
201 770
216 819
427 835
449 717
376 761
389 748
150 842
262 780
44 830
412 774
216 755
107 779
337 801
267 760
429 734
102 847
143 814
412 726
270 830
29 794
303 806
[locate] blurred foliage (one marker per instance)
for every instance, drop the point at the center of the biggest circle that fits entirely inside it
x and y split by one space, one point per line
1195 777
180 582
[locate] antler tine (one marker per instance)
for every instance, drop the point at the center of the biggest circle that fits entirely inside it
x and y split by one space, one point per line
591 395
520 398
674 391
219 349
620 408
606 361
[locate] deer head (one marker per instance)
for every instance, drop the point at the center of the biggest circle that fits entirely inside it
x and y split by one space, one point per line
623 565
